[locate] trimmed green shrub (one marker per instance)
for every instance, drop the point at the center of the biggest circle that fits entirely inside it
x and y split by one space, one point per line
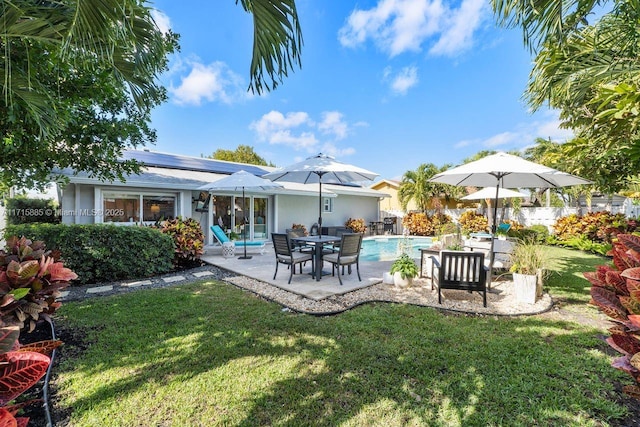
104 252
539 233
23 210
582 243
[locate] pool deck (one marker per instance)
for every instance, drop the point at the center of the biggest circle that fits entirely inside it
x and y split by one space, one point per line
262 267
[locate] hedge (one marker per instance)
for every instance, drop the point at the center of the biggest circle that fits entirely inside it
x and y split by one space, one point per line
24 210
102 252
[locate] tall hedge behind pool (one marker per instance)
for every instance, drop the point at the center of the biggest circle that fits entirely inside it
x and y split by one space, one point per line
103 252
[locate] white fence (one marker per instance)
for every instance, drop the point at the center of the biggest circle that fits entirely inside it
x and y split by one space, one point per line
529 216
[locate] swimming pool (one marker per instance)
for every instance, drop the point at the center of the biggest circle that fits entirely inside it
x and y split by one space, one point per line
387 248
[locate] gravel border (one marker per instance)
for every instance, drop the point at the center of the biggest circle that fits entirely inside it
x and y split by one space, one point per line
500 299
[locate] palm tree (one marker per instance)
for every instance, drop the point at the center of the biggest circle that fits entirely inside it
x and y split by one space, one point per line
121 34
416 186
543 20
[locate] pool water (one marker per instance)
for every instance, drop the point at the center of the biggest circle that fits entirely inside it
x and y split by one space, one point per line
389 248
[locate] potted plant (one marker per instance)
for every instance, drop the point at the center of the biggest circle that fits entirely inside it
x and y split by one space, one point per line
528 262
404 269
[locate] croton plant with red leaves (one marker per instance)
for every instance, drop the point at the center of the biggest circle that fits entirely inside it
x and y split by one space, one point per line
615 290
30 281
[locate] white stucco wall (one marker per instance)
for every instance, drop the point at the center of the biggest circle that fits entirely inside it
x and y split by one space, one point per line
77 204
304 210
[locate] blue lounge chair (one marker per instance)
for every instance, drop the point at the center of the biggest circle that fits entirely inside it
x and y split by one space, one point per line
221 237
502 229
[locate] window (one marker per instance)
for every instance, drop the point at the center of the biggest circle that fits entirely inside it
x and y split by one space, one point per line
121 208
202 204
130 207
327 205
158 208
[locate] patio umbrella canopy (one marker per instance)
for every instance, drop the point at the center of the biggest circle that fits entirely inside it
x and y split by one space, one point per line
490 193
321 169
502 170
238 181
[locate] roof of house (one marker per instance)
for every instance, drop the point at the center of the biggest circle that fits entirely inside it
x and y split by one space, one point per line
182 176
176 161
389 182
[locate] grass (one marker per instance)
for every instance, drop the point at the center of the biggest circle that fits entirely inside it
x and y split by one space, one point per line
209 354
567 285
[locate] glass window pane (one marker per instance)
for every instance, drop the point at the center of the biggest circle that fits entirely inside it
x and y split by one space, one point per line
260 218
121 208
222 211
328 204
156 208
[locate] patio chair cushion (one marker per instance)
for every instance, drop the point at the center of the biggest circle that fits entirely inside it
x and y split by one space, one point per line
296 257
335 258
221 237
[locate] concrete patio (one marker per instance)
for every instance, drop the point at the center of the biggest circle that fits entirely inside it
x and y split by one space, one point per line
262 267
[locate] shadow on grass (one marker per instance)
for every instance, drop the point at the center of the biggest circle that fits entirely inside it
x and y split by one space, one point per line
209 354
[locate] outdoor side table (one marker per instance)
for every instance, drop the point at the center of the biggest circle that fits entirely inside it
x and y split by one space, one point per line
228 250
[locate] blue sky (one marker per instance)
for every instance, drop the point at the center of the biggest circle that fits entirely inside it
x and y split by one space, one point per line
384 84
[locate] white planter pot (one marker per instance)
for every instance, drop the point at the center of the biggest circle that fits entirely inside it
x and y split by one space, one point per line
526 287
400 282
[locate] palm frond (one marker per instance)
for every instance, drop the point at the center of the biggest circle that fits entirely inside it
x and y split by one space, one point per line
277 41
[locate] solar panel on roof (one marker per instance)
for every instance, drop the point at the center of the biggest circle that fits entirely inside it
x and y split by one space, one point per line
164 160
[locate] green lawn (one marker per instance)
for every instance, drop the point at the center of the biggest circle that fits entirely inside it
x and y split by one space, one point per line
209 354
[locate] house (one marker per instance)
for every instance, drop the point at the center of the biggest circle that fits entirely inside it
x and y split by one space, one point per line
392 203
168 187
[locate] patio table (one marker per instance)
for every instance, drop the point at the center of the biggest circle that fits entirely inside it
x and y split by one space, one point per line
318 242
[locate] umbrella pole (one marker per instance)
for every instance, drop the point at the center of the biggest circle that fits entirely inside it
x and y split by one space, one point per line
244 225
320 206
493 235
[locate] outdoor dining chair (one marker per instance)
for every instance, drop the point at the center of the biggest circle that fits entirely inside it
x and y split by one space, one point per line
286 255
297 246
348 254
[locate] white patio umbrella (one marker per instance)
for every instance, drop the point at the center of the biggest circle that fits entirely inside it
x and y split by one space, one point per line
237 181
502 170
321 169
490 193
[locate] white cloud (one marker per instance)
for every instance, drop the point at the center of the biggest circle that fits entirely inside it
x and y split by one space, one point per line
524 135
213 82
551 129
162 20
404 80
275 121
285 137
299 131
459 28
333 124
334 151
463 143
501 139
398 26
